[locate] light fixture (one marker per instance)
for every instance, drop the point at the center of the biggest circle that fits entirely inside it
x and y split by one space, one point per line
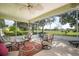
32 7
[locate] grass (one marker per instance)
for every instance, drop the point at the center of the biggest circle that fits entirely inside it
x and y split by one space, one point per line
51 32
70 33
63 33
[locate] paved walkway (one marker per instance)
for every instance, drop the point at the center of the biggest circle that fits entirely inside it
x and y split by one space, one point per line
66 38
60 49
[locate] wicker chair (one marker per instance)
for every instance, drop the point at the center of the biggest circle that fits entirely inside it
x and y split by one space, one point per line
29 49
47 42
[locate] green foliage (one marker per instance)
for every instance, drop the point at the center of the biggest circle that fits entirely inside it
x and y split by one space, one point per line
12 28
69 17
2 24
64 33
11 31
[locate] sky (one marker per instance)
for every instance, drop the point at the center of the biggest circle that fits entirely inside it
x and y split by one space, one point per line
9 22
54 24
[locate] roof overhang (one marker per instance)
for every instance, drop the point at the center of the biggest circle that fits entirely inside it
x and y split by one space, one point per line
58 11
9 11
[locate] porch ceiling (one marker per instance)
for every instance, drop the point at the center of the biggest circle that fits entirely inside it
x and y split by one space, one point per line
24 13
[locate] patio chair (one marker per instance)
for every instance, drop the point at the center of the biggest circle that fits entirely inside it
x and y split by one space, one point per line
46 45
29 48
23 52
6 42
5 38
46 42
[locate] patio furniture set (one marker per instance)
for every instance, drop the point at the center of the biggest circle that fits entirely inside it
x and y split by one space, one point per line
74 43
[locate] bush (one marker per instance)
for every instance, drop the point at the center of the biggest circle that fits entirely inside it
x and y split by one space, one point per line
12 33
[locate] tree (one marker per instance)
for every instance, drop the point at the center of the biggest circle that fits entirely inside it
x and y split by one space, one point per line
56 29
42 24
50 20
12 28
70 17
21 25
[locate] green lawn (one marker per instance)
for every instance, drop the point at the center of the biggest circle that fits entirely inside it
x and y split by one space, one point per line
63 33
48 32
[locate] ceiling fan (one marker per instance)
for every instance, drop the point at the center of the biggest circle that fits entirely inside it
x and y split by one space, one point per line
31 7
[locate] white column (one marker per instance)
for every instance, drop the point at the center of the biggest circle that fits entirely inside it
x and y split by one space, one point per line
77 21
16 28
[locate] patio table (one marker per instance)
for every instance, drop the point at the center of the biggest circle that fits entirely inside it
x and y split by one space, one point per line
75 43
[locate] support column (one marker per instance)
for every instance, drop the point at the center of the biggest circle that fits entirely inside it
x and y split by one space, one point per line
29 26
77 21
33 28
42 29
37 28
16 29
